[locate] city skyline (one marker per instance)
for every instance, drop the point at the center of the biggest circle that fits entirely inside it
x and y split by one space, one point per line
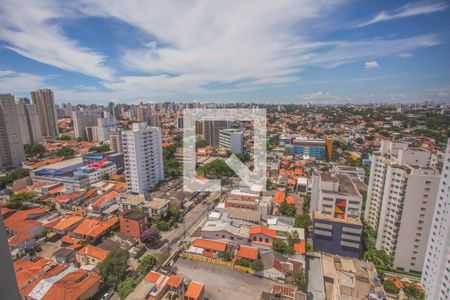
287 52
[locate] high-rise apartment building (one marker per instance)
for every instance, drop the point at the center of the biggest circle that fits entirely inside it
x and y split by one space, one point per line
211 130
115 139
143 157
45 103
11 146
82 120
436 268
104 125
29 123
232 139
400 201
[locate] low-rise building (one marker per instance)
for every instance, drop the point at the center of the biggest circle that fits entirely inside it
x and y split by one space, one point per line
337 236
91 255
133 223
156 207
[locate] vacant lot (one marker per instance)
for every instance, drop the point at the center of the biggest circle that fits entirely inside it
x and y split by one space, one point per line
223 283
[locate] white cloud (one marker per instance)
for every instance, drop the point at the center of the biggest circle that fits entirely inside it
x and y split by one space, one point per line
405 55
408 10
235 44
20 82
29 28
193 48
371 65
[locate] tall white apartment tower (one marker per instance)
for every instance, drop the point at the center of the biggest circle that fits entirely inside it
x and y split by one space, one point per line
11 146
45 103
436 268
143 157
402 192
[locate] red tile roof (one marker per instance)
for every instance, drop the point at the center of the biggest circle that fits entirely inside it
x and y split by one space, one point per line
194 290
300 247
263 230
278 198
175 281
208 244
93 251
95 227
247 252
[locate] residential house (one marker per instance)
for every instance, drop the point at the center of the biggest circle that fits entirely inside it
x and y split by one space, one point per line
262 236
91 255
156 207
195 291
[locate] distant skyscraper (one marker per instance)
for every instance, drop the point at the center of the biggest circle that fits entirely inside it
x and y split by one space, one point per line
11 146
29 123
143 157
83 120
45 103
211 131
104 125
436 269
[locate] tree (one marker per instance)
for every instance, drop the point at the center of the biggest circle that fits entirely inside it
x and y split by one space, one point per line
287 209
300 279
147 263
200 144
9 177
126 287
215 169
245 262
412 292
19 200
64 138
306 203
105 177
113 269
293 238
65 152
279 246
151 235
257 265
34 149
390 287
100 149
225 256
303 221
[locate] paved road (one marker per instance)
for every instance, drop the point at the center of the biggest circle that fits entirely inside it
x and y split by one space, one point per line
191 220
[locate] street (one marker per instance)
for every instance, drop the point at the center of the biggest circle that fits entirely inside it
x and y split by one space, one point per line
191 221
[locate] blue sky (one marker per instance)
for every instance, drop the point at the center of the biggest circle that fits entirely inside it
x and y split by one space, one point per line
333 51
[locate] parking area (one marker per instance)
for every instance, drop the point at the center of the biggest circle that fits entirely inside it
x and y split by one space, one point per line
223 283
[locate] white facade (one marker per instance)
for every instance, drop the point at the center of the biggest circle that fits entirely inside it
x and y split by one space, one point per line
104 125
232 139
11 146
401 195
143 157
336 196
436 269
96 174
82 120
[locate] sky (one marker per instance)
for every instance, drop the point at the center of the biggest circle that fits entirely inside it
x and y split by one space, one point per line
304 51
